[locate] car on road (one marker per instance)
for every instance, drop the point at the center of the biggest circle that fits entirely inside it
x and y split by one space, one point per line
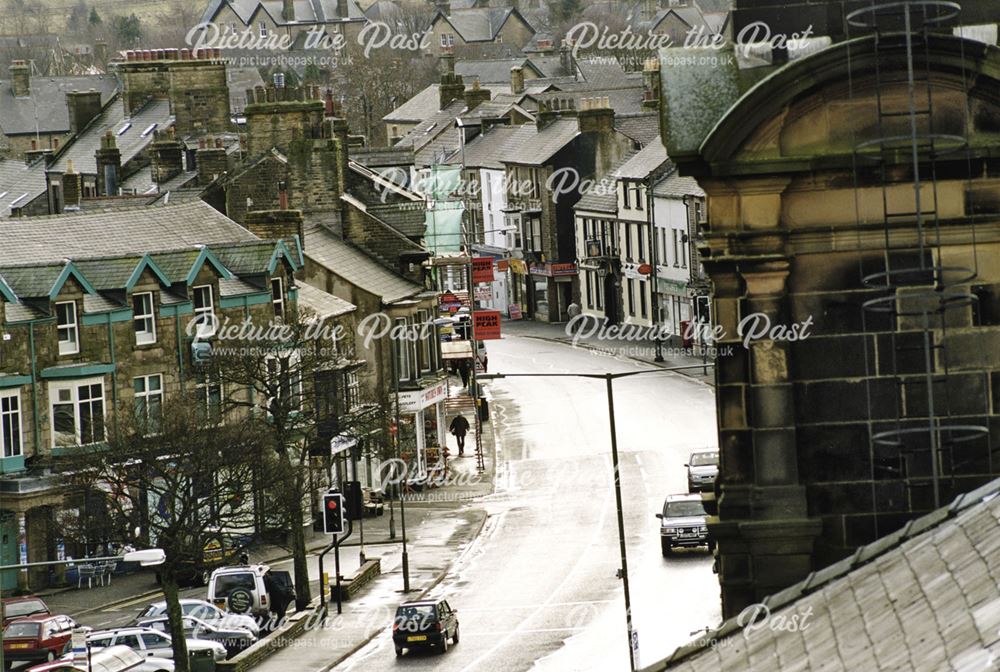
19 607
702 470
205 611
683 523
111 659
424 623
36 638
151 642
234 639
240 589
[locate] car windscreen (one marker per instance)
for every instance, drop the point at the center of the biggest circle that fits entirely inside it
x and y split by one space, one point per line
227 583
24 608
22 630
704 459
683 509
150 612
416 615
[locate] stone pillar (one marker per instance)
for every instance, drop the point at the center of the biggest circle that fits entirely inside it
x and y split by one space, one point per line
22 550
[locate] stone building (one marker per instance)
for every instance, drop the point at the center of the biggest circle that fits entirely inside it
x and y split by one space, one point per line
868 220
95 311
460 29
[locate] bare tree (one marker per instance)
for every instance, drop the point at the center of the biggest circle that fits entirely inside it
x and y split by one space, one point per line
173 478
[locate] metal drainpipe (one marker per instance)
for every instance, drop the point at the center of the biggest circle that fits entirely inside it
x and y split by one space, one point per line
114 372
34 387
180 347
654 293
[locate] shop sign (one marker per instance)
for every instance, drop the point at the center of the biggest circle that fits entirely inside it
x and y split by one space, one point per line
645 269
550 270
482 270
487 325
483 294
515 311
502 265
411 401
631 271
518 266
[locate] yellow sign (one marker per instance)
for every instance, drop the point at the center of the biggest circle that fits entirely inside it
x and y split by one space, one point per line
518 266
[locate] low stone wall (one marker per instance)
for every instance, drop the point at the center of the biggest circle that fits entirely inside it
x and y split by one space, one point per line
354 583
295 625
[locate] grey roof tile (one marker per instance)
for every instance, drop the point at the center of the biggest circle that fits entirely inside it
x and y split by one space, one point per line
642 128
603 196
421 106
48 102
647 160
677 186
535 146
325 305
19 183
357 268
237 287
30 281
100 303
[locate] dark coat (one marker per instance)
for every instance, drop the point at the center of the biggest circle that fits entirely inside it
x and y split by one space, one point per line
459 426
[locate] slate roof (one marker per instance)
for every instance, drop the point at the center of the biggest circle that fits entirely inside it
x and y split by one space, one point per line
648 159
118 232
130 142
535 146
603 196
493 70
237 287
32 279
357 268
381 157
421 106
107 273
248 258
622 100
325 305
480 24
18 179
642 128
435 135
48 101
486 150
676 186
306 11
925 598
600 73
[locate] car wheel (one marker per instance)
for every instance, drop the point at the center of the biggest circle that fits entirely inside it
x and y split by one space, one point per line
399 652
665 547
51 657
454 638
444 643
202 579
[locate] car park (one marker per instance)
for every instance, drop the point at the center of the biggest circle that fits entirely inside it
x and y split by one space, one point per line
234 639
36 638
152 642
702 470
205 611
424 624
111 659
683 522
19 607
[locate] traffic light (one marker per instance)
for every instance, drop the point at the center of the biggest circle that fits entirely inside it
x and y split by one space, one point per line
333 513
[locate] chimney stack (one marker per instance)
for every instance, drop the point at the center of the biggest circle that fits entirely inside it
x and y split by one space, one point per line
83 106
275 224
166 156
596 115
211 162
71 186
566 57
651 81
475 96
451 87
109 166
517 79
20 79
288 10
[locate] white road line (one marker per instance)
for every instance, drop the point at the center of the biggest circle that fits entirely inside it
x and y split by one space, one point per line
638 459
598 530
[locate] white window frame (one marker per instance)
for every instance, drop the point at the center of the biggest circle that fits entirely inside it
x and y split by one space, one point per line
74 399
11 424
204 331
71 344
146 395
352 385
263 29
144 336
426 346
402 352
273 364
278 303
204 390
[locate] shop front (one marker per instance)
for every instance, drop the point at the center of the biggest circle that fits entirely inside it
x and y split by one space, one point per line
553 289
422 427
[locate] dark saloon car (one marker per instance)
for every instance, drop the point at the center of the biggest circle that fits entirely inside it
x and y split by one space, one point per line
424 624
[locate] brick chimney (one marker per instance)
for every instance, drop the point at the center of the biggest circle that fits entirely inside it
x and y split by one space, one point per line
566 57
651 82
342 12
516 79
476 95
20 79
278 116
71 186
211 161
166 156
101 53
288 10
275 224
451 87
596 116
554 108
109 166
83 106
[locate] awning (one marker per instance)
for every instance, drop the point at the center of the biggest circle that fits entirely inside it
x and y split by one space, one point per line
456 350
342 443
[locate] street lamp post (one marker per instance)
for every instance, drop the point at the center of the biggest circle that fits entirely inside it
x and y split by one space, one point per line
608 379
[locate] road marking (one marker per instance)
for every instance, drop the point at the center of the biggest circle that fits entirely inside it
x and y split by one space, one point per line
638 459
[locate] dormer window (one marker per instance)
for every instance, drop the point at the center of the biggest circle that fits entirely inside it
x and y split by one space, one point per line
277 297
67 327
143 319
204 310
263 29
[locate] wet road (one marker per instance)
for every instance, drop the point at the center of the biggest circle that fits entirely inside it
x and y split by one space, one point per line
537 589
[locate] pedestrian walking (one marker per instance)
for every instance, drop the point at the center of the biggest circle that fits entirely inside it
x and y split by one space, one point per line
459 426
463 371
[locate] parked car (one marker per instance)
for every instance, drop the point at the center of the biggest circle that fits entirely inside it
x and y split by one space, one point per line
19 607
424 623
217 550
240 589
151 642
37 637
683 523
205 611
703 469
111 659
234 639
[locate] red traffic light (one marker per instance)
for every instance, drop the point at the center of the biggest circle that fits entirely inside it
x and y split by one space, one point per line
331 504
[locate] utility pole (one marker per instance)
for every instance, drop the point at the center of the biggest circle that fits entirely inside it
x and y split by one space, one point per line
398 455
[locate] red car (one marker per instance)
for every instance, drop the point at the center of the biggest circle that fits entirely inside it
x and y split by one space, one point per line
19 607
36 638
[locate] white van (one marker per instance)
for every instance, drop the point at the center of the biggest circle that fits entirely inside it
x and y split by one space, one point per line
240 590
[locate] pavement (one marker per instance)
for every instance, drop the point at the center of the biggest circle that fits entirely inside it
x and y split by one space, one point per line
598 345
437 518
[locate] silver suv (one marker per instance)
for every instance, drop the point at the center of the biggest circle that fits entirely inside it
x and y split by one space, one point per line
150 642
683 523
703 470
